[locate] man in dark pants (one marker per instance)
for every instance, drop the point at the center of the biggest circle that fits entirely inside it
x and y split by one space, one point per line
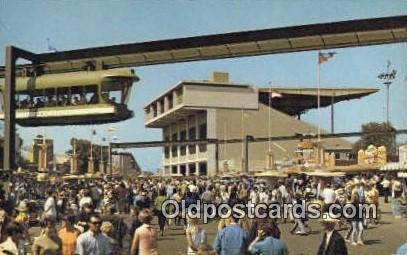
332 243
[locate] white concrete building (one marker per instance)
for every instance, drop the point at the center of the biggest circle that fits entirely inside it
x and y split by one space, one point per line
220 109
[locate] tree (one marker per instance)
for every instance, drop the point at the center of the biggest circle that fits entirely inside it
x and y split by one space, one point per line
377 134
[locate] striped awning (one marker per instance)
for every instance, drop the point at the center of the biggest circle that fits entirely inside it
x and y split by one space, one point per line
394 166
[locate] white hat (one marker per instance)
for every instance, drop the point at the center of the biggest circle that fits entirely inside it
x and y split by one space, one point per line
22 207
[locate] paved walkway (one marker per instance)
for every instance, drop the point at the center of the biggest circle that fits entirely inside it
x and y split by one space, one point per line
381 240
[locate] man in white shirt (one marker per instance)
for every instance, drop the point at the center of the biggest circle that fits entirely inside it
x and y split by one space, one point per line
283 192
263 196
254 196
50 209
395 188
386 189
329 196
93 242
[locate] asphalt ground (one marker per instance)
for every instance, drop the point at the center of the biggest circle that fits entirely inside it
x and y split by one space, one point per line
383 239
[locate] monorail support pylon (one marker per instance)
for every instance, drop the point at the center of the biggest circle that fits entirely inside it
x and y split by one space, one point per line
9 149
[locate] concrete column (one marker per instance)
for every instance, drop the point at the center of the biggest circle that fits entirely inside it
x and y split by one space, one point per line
197 168
270 160
158 105
170 127
178 169
166 104
216 159
197 134
42 157
178 138
187 173
102 167
74 164
152 111
332 113
187 130
246 155
91 166
174 98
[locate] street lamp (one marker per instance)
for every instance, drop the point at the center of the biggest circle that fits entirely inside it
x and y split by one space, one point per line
387 78
111 131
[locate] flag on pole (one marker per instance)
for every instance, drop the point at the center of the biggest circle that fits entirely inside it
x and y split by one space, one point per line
322 56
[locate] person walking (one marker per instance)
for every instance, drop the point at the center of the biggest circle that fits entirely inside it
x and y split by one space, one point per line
50 209
162 196
68 234
145 237
357 221
265 243
92 242
48 243
232 240
332 242
386 189
107 231
196 236
14 233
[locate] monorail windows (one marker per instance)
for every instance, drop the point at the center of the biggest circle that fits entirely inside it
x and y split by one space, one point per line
113 90
63 97
77 96
91 94
25 101
50 97
36 99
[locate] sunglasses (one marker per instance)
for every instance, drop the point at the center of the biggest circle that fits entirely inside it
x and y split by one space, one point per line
96 222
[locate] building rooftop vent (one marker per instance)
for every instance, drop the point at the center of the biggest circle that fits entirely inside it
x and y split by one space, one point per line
219 77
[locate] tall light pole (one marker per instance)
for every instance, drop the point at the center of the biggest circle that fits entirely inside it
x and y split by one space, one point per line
387 78
109 169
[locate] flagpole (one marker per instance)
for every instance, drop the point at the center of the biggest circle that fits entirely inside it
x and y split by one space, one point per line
242 120
243 144
319 99
269 124
225 137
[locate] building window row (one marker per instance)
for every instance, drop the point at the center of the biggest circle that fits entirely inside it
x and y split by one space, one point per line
193 170
183 137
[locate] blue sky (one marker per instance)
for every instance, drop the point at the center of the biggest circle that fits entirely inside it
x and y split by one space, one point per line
81 24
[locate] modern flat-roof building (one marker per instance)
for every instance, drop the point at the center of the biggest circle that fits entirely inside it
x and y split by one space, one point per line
219 109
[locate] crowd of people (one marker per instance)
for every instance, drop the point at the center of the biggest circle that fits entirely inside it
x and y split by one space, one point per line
89 217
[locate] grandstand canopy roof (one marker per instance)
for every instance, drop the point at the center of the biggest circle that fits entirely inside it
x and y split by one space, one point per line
294 101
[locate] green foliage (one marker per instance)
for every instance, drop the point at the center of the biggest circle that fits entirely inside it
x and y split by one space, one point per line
377 134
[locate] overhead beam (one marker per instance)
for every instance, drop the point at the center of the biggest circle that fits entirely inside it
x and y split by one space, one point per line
259 139
228 45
